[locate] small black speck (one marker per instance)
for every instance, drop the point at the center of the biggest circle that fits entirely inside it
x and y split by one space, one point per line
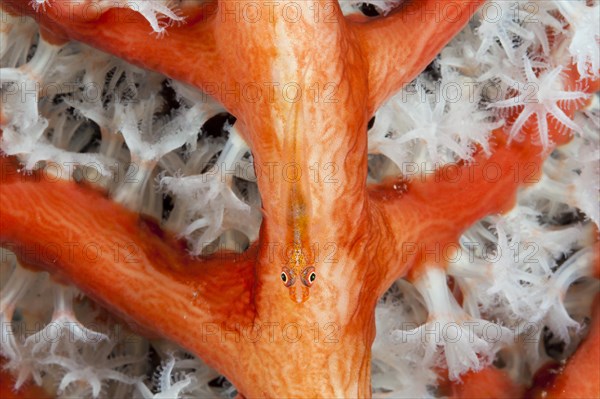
371 123
369 10
167 206
218 382
214 126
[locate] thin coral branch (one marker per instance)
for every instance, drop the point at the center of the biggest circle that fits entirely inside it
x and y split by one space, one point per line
431 211
400 45
587 357
61 227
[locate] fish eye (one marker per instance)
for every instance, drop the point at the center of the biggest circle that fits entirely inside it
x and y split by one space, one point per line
309 276
287 276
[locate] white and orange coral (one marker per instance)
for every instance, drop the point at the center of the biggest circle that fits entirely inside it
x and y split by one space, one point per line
411 220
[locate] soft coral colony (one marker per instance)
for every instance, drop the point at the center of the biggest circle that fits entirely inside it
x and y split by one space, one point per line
300 199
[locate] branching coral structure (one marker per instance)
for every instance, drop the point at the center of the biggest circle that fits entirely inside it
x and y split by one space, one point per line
300 198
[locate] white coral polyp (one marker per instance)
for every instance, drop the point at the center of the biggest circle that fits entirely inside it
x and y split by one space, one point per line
461 53
160 14
572 180
211 202
397 372
38 4
587 183
506 275
64 327
150 140
21 89
92 367
438 127
20 281
466 343
579 265
540 97
584 27
502 21
16 37
167 388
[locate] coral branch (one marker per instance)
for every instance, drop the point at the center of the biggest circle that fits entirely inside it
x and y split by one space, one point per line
489 382
399 46
430 212
61 227
429 215
583 364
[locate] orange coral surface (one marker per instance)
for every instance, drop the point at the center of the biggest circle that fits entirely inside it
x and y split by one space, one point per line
232 309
